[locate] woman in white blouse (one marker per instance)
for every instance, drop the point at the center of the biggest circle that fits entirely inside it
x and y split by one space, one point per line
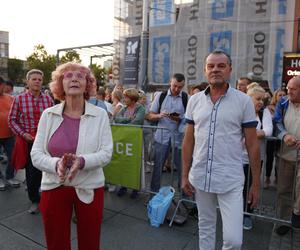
72 145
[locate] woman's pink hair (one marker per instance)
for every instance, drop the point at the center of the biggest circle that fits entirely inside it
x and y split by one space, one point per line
56 85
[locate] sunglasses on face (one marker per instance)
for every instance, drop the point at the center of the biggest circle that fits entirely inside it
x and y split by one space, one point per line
70 75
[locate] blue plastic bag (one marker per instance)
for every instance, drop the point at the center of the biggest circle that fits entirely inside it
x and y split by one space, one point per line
159 205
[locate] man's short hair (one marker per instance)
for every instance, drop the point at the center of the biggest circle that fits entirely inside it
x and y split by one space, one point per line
202 86
219 52
178 77
101 92
244 78
34 71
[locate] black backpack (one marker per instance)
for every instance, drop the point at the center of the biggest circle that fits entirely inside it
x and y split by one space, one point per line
163 96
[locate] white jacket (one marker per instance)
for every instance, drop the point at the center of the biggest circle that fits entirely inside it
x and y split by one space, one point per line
95 145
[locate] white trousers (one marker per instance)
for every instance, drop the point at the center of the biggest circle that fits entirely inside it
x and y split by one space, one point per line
231 207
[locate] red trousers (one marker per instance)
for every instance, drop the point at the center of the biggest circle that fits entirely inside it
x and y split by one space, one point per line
57 207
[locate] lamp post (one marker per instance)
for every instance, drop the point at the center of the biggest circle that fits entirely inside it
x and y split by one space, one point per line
142 78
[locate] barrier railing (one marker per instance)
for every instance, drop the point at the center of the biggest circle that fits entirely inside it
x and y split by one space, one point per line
267 207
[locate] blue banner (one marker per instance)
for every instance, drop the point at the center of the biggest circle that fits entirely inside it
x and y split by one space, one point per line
222 9
221 40
281 7
277 69
162 13
161 59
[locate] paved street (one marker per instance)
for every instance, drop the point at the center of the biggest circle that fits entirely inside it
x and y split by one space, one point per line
125 226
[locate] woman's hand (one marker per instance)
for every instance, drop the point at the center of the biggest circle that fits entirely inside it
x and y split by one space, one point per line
74 168
61 167
67 167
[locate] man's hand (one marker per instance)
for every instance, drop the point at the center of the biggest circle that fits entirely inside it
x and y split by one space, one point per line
187 187
253 197
28 138
175 118
162 115
290 140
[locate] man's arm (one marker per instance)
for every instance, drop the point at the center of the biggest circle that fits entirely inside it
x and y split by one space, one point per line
152 116
13 122
252 146
280 129
281 132
187 154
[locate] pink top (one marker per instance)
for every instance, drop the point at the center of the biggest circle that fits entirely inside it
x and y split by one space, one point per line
65 138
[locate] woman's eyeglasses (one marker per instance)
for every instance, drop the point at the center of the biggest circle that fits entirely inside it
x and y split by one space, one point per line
70 75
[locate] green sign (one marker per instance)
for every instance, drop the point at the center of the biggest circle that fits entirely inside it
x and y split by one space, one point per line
125 166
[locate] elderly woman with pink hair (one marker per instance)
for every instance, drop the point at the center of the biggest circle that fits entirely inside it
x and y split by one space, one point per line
73 144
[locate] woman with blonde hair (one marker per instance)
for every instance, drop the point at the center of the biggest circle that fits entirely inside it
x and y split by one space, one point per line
72 145
276 96
264 128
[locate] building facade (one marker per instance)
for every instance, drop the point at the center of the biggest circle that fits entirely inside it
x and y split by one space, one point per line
256 34
4 52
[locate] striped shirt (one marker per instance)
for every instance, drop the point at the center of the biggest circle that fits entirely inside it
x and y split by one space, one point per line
26 111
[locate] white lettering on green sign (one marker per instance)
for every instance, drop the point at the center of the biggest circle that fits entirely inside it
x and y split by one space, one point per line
124 148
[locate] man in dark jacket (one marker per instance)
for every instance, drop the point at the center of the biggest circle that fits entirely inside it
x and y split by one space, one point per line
287 120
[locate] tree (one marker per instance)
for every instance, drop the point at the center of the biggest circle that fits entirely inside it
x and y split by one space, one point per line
15 70
70 56
40 59
100 73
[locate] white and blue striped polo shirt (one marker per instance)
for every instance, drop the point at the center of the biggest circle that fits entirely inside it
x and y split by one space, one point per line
217 158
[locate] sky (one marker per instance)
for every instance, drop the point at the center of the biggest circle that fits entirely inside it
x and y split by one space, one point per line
56 24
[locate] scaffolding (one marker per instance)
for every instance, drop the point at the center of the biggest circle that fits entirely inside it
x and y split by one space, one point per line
92 51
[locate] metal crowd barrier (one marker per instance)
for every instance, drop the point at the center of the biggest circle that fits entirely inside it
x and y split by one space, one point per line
267 207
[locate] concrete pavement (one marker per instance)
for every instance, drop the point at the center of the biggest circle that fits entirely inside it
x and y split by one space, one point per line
125 227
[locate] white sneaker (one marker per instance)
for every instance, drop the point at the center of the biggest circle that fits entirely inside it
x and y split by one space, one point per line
14 183
2 185
111 188
34 208
148 169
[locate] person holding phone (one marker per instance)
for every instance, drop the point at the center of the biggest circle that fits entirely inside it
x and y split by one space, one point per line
167 112
72 145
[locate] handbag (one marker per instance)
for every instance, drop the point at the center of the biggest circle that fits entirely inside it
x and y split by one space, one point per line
20 154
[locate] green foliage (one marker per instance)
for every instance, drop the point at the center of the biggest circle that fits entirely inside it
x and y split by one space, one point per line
15 70
40 59
70 56
100 73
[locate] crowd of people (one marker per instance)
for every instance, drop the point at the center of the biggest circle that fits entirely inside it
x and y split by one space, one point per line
62 138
